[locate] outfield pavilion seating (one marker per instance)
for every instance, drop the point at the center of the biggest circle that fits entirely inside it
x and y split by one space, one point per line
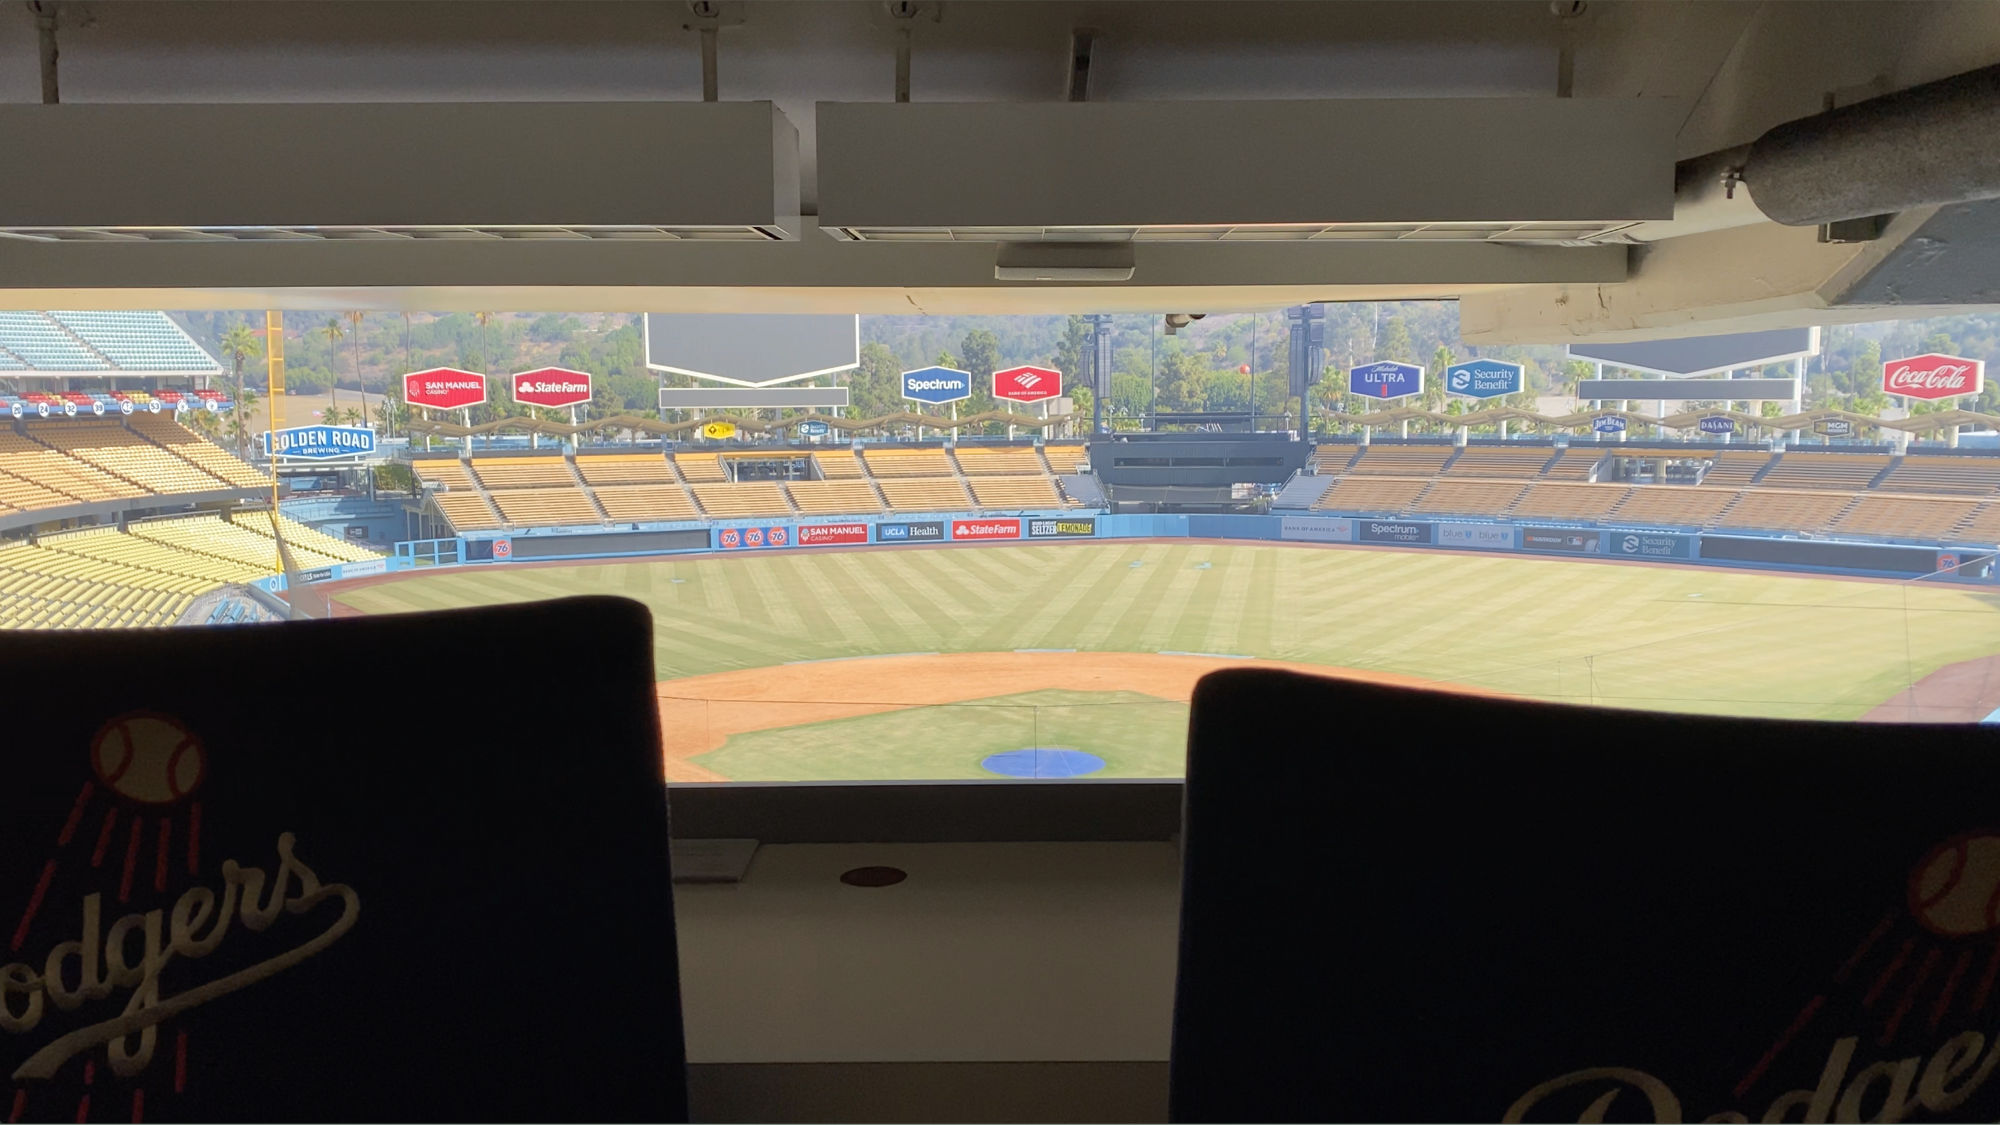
1983 526
117 450
1468 497
746 499
1953 476
1500 461
1574 464
448 471
1371 494
1330 459
1036 491
1673 505
599 469
545 507
1838 472
700 468
1914 517
925 494
523 472
1735 467
468 510
1569 500
1402 460
1775 510
834 497
635 502
838 464
892 461
1064 458
203 453
999 460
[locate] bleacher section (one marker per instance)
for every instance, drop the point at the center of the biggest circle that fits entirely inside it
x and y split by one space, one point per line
1983 527
1064 459
1735 467
834 497
700 468
1469 497
638 468
889 461
999 460
751 498
1574 464
1570 501
635 502
1767 510
1361 494
926 494
1500 461
523 472
448 471
545 507
1672 505
1330 459
838 464
1957 476
1402 460
1908 516
468 511
1840 472
1037 491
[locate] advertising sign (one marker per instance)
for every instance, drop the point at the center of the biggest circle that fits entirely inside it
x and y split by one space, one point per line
734 538
1933 376
823 534
1608 424
1483 378
937 385
1947 562
1027 384
364 568
1061 529
1717 424
813 427
718 431
444 388
1479 536
986 529
1640 544
503 548
909 532
1392 531
318 443
1386 379
1309 530
550 386
1566 540
1834 427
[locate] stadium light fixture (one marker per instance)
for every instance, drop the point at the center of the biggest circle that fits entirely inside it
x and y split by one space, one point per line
650 171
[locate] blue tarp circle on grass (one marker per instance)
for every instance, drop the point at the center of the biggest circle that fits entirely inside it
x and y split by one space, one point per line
1042 762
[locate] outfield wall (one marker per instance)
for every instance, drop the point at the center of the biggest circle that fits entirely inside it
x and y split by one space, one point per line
1768 552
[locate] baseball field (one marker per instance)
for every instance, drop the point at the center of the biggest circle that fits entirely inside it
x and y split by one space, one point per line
951 662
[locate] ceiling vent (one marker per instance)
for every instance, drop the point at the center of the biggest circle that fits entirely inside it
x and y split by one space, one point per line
431 170
1536 170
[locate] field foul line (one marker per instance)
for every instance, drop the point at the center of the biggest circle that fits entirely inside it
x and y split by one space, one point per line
1209 655
1044 650
871 656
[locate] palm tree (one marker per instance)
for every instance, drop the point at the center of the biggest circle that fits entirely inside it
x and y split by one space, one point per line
333 333
240 345
354 318
238 425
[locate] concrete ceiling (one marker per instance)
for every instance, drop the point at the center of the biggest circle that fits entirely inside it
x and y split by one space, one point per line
1740 66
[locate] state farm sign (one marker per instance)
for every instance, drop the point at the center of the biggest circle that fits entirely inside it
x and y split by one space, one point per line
444 388
1027 384
986 529
550 386
820 534
1933 376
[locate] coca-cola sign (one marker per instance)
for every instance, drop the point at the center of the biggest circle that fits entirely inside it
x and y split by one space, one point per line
1933 376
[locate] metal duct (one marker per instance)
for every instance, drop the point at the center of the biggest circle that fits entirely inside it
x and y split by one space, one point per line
1928 145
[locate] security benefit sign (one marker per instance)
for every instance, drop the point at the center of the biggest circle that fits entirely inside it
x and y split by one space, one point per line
1386 379
1564 540
551 387
444 388
1062 528
318 443
1483 378
937 385
1650 545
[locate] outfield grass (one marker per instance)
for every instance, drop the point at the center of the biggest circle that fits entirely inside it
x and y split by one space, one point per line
1688 639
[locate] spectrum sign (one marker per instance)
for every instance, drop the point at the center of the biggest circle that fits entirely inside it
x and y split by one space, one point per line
1933 376
551 387
1027 384
937 385
444 388
986 529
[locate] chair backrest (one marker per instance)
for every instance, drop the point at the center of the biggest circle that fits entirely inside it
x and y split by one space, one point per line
1406 905
408 867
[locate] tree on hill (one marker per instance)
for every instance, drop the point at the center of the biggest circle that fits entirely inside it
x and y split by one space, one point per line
333 332
1396 343
239 346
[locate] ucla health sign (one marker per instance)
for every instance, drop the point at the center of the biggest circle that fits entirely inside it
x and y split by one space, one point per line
937 385
1483 378
320 443
1386 379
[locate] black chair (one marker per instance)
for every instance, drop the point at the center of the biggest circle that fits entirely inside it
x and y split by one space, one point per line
398 868
1409 906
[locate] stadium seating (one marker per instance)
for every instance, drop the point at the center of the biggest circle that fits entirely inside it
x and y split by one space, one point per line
1570 501
1958 476
1064 459
1673 505
998 460
190 446
1402 460
1361 494
299 535
639 468
1983 526
33 461
926 494
1908 516
112 447
889 461
1330 459
631 502
1469 497
468 510
545 507
1500 461
20 494
1843 472
109 545
213 536
752 498
47 589
1036 491
523 472
1771 510
1574 464
1735 467
448 471
838 464
135 340
835 497
702 468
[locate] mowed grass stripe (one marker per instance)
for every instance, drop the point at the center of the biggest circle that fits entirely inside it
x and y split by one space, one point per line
848 630
1084 586
1104 623
898 619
